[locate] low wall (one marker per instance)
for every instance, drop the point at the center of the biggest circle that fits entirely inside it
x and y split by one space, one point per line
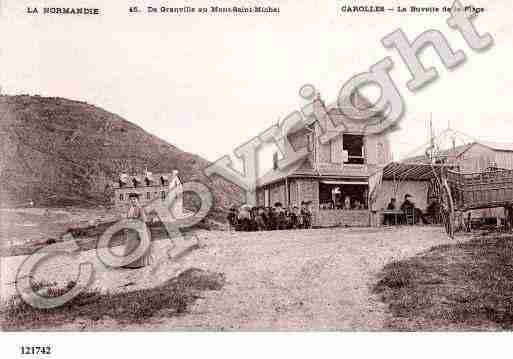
334 217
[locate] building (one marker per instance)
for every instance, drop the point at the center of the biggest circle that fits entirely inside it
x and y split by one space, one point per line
413 175
337 178
476 156
149 186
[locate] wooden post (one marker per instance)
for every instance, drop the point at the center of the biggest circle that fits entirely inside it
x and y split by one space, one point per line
287 192
299 196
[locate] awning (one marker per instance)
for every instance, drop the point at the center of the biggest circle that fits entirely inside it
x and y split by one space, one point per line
346 182
412 171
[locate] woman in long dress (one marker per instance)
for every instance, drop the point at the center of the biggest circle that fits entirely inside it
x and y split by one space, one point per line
132 241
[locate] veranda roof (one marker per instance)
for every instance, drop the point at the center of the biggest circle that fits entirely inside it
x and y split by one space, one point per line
411 171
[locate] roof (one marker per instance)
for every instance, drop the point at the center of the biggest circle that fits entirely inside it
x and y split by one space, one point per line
344 113
456 151
459 150
301 168
129 179
305 168
401 171
497 146
398 171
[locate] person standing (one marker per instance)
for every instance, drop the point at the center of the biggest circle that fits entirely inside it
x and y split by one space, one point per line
272 219
508 211
389 218
260 219
280 216
244 218
132 240
232 218
306 214
176 185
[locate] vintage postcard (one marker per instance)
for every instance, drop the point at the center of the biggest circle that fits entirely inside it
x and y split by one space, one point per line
200 165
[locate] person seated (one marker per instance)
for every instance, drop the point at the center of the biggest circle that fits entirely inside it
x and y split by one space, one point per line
299 216
232 218
288 218
252 220
244 219
260 219
272 219
338 203
357 205
408 205
267 218
433 211
390 218
280 216
392 204
347 202
294 214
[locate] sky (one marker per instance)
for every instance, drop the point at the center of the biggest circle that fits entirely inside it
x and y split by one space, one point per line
209 83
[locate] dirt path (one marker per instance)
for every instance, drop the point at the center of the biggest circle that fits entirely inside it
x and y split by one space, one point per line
282 280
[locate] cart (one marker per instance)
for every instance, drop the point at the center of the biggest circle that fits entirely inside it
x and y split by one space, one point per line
459 192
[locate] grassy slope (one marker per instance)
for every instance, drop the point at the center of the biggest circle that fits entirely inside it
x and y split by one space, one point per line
464 286
62 152
171 298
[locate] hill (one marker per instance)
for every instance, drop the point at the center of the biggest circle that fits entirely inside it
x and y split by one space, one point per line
58 152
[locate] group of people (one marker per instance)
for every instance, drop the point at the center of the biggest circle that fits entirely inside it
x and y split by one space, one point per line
407 208
347 204
270 218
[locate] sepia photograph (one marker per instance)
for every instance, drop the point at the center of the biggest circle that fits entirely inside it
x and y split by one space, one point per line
254 167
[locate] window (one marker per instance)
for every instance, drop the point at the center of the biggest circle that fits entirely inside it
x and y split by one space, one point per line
353 144
163 195
148 195
275 160
121 196
121 184
148 182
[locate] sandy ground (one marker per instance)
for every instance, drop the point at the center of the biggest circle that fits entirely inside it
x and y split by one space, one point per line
280 280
